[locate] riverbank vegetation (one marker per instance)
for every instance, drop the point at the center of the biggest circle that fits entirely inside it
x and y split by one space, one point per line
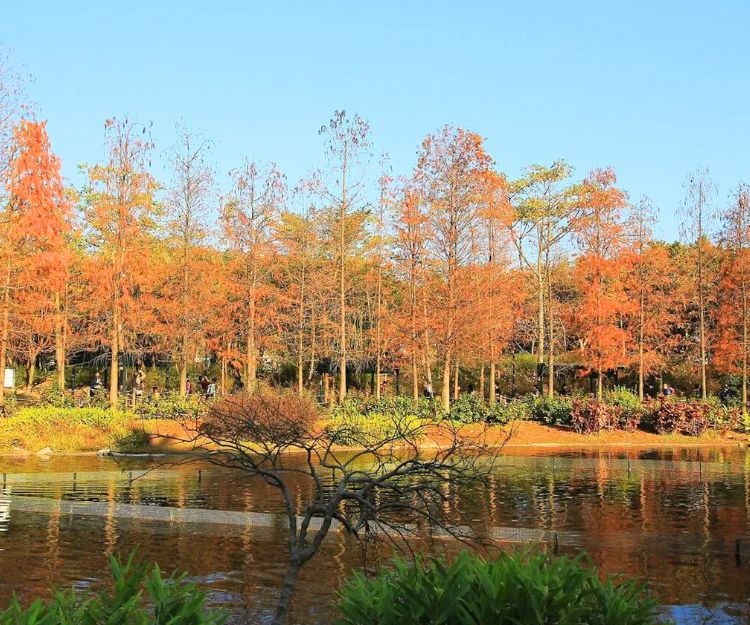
448 279
163 422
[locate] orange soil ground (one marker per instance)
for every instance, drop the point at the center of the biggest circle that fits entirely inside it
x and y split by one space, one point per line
523 434
533 434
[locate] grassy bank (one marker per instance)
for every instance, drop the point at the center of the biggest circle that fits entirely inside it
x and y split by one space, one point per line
70 429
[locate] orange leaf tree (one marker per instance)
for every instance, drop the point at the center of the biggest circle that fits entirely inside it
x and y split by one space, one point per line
35 250
120 214
600 237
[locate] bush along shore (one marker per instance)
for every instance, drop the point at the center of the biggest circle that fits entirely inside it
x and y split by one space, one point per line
57 425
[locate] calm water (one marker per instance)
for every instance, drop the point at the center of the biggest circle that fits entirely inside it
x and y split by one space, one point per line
672 516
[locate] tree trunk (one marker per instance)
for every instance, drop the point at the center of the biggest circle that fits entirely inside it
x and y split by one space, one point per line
287 590
414 337
327 388
550 319
641 319
313 343
342 281
301 336
540 312
744 348
59 344
114 364
5 331
426 334
342 338
223 375
30 373
414 377
455 382
493 377
481 382
445 391
114 372
300 373
183 377
551 332
701 314
550 372
378 335
252 350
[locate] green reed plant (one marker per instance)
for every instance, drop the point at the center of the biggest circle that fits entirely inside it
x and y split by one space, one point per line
139 595
514 589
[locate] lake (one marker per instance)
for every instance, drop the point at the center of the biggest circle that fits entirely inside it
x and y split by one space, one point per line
680 518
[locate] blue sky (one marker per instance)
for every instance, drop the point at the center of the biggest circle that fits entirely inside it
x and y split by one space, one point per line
653 89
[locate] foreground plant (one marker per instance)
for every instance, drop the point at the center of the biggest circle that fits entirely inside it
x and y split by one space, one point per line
170 601
514 589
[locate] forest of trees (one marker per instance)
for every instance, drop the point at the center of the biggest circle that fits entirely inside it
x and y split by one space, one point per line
444 270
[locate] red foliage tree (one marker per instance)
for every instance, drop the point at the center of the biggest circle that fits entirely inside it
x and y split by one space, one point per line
34 247
600 236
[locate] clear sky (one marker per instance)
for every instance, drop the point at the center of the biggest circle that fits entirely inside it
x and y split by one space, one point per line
653 89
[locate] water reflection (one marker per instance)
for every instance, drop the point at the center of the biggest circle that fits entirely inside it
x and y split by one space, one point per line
679 517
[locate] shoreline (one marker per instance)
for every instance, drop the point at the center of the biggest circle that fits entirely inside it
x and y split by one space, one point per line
165 439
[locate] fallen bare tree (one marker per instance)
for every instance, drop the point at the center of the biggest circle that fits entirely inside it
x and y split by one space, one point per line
388 482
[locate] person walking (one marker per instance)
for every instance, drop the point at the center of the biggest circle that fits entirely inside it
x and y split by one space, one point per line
97 384
237 385
138 384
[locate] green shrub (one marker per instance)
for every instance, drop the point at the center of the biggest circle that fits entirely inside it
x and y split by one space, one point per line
622 397
721 417
359 421
629 405
172 406
551 411
513 410
504 411
51 395
172 602
520 589
469 408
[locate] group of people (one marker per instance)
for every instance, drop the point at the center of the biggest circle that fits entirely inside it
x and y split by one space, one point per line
208 387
